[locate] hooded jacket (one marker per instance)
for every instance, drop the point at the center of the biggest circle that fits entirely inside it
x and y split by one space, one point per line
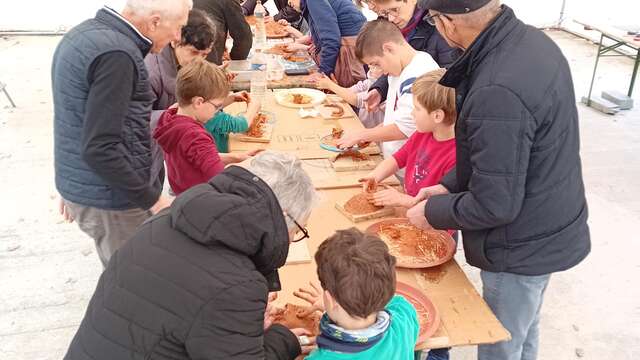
517 192
191 284
189 151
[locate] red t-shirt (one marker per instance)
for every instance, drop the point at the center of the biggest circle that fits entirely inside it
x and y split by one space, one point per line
426 160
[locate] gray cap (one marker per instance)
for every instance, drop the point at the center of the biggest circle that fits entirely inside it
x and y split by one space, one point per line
454 6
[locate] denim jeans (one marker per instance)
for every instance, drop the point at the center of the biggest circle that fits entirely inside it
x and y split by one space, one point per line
516 300
433 354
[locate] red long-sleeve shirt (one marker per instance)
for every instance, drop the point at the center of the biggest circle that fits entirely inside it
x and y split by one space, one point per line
189 151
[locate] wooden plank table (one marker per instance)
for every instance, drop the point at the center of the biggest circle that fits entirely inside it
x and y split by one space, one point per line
295 134
465 317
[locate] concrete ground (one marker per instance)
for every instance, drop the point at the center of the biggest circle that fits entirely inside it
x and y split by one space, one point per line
48 269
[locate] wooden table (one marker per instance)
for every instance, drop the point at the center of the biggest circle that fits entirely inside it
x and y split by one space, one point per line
295 134
465 317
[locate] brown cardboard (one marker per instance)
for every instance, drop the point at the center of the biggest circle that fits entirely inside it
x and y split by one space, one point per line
299 253
324 176
294 134
465 317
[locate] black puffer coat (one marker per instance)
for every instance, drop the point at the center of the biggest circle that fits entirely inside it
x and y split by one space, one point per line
191 283
517 190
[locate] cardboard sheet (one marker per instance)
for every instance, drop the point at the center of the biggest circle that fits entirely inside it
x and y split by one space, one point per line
324 176
299 253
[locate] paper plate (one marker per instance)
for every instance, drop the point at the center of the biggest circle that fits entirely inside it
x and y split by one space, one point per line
431 321
283 97
410 261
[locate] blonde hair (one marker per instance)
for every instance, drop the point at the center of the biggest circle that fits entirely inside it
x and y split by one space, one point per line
201 78
433 96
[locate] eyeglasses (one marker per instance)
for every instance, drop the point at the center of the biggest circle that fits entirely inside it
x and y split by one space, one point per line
395 11
215 106
304 231
431 19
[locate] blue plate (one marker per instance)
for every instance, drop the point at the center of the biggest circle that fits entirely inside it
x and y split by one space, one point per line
332 148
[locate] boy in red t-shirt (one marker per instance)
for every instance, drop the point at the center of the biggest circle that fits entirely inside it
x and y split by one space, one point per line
429 153
189 150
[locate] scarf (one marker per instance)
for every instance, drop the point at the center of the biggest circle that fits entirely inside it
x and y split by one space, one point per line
409 30
338 339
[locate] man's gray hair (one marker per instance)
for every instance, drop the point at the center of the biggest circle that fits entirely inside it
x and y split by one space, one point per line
290 183
479 19
168 8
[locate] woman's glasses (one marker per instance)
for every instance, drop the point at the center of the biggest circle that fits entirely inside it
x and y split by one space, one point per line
304 231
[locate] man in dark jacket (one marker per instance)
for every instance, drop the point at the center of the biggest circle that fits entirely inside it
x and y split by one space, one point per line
285 11
193 282
228 17
102 104
517 192
410 17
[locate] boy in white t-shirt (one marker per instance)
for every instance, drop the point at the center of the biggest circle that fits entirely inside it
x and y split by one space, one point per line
380 44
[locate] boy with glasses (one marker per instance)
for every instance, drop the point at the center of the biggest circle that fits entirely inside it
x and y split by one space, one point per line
189 150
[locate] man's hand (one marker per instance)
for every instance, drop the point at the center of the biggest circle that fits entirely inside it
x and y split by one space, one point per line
430 191
307 342
350 139
373 100
64 211
391 197
312 295
416 216
163 202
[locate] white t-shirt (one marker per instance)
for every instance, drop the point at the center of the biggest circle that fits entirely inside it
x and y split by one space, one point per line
400 100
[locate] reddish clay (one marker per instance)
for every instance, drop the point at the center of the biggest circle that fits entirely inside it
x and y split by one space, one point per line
289 317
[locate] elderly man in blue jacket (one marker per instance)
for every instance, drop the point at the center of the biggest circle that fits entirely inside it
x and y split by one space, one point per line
517 191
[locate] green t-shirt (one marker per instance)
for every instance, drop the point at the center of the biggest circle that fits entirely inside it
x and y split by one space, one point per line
221 125
398 342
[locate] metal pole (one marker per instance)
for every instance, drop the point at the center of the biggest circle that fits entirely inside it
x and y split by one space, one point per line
595 67
561 19
635 72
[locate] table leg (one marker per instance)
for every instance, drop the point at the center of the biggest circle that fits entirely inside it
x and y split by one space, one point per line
633 75
8 97
595 67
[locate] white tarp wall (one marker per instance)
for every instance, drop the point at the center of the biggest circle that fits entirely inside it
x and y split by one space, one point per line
47 15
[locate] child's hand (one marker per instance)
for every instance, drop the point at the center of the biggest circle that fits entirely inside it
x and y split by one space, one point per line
312 295
293 47
349 139
323 82
283 22
369 184
392 197
373 100
254 105
242 96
